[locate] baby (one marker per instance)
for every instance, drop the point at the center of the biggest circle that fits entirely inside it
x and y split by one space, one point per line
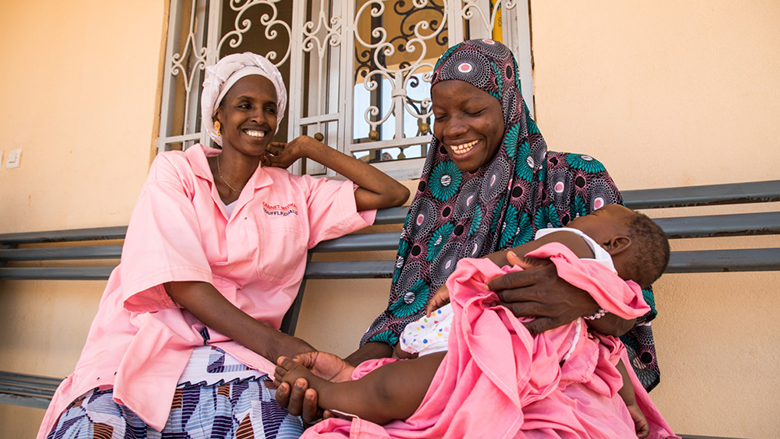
624 241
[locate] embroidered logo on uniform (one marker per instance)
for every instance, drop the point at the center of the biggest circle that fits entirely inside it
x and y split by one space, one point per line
278 210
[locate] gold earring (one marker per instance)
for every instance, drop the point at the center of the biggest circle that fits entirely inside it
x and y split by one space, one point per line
217 126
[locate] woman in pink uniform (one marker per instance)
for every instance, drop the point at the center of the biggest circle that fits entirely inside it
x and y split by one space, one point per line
187 328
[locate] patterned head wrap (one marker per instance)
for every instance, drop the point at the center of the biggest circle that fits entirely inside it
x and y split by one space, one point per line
224 74
458 215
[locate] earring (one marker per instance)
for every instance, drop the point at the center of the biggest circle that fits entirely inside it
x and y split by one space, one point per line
217 126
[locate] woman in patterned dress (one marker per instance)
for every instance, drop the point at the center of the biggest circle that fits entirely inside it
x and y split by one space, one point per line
488 184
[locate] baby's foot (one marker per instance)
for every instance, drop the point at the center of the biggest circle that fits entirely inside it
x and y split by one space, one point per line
288 371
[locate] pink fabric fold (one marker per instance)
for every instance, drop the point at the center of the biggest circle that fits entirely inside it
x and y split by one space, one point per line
498 381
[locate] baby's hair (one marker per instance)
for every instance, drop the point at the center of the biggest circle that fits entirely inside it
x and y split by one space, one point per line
651 254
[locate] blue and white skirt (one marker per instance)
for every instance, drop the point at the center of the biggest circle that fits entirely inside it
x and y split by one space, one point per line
242 408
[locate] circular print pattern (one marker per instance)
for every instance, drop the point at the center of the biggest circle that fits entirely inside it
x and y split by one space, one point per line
412 301
410 274
509 105
511 139
539 151
578 207
445 263
495 180
492 49
474 246
388 337
600 194
547 217
467 199
559 182
422 217
479 73
525 231
495 215
585 163
400 259
445 181
438 239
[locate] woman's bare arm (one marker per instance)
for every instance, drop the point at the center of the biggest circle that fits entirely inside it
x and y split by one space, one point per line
376 190
204 302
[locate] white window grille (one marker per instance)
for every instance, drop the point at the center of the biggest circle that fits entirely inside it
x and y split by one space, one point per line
358 71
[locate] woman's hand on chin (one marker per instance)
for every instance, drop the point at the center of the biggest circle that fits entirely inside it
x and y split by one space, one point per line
282 155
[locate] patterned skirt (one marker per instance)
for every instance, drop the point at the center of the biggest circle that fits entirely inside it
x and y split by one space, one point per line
240 409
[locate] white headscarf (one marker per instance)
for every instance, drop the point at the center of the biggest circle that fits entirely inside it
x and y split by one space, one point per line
225 73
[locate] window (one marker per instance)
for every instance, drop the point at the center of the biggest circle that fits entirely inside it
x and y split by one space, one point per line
357 70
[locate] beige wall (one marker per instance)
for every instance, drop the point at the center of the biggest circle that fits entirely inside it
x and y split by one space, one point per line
670 93
78 84
690 91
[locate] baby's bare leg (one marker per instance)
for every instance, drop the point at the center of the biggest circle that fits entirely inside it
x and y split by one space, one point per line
393 391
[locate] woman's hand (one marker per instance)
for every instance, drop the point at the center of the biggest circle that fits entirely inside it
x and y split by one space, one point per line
539 292
376 190
282 155
441 298
302 401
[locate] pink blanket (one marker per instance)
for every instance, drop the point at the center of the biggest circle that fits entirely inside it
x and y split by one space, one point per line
498 381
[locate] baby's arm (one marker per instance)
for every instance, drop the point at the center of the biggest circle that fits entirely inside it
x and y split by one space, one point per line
376 190
571 240
628 396
393 391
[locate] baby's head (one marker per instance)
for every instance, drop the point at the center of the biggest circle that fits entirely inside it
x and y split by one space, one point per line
638 246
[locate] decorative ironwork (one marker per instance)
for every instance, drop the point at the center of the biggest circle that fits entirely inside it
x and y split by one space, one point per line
270 22
350 61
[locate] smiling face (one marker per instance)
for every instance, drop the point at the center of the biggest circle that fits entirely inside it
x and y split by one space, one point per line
248 116
468 122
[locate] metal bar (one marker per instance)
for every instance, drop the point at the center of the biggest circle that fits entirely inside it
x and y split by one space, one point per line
24 401
166 108
357 243
47 254
65 235
12 377
385 144
311 120
350 270
25 391
56 273
713 261
731 193
393 215
742 224
688 436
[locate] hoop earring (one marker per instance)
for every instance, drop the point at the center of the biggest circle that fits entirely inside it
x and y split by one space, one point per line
217 126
